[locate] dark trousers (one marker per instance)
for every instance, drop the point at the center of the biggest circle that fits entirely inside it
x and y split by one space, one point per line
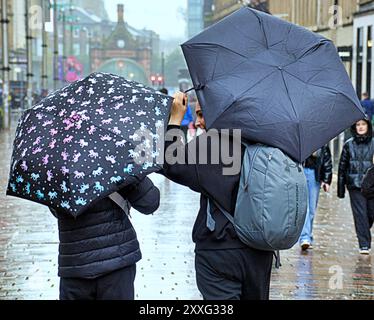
233 274
363 216
117 285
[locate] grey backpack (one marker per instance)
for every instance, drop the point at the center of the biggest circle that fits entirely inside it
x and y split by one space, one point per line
272 199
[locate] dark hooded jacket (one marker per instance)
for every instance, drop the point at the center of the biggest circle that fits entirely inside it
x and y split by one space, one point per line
322 164
355 160
102 239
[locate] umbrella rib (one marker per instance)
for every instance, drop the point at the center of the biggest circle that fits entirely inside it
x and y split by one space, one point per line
246 35
247 59
256 84
219 45
318 86
243 93
313 48
288 95
232 72
293 107
262 28
285 39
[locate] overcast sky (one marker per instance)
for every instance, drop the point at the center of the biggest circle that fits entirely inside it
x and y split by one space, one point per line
162 16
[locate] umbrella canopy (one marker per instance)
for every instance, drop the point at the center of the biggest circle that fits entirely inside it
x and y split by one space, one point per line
281 84
84 142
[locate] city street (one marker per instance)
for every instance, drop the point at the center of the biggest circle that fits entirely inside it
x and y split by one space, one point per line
29 244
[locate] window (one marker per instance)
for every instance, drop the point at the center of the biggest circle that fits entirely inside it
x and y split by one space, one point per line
76 49
76 32
359 51
369 60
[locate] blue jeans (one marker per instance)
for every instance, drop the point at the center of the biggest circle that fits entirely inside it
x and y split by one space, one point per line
313 195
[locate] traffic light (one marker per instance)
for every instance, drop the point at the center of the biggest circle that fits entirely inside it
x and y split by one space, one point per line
153 79
160 80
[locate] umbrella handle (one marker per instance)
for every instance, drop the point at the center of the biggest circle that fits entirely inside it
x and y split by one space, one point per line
199 87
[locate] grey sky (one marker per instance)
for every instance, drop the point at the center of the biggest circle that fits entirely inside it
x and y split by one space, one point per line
162 16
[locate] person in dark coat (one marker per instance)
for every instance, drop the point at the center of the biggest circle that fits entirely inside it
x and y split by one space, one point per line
355 160
225 267
368 106
99 249
318 172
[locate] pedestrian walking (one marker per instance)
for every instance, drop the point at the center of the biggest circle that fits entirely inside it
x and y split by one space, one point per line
225 267
98 251
318 172
368 106
355 160
77 147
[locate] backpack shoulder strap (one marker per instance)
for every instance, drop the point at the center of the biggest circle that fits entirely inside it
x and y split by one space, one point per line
225 212
210 223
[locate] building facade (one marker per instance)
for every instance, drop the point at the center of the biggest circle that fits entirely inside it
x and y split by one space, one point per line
363 28
126 53
332 19
195 17
222 8
208 12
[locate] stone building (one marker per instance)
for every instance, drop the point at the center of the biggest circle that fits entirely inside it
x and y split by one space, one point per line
363 68
126 51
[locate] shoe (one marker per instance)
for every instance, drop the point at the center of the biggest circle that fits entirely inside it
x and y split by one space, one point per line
305 245
364 250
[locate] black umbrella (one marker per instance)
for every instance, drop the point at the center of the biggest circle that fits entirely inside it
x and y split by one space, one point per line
86 141
279 83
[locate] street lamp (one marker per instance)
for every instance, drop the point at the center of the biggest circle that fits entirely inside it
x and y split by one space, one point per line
120 64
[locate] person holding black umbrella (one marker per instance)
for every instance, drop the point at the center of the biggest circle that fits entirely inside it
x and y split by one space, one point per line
226 268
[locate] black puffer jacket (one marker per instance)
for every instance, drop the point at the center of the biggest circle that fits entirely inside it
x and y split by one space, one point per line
355 160
103 239
322 164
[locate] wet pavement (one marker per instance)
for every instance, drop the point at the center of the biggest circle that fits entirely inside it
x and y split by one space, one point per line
29 244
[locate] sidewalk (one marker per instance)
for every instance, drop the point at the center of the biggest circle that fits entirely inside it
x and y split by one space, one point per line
29 244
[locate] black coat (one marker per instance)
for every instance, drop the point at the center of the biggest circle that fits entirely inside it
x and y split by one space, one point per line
367 187
208 180
102 239
355 160
323 165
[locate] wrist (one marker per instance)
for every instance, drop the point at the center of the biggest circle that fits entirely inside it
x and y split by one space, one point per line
175 121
